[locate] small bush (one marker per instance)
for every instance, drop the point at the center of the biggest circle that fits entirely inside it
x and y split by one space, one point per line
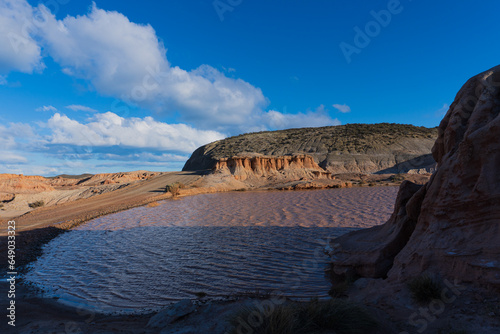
153 204
336 315
174 189
1 205
424 289
36 204
397 178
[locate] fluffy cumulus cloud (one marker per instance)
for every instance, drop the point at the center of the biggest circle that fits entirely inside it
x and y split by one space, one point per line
109 129
19 51
126 60
343 108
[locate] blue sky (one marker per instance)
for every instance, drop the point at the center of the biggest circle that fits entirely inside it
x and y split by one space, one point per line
124 85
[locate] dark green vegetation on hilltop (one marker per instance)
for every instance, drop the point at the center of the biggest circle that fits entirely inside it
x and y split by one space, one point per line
343 148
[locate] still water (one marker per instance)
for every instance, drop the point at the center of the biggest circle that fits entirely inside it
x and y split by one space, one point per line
218 244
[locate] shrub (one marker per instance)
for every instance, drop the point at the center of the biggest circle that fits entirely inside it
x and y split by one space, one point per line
314 316
36 204
397 178
424 289
153 204
174 189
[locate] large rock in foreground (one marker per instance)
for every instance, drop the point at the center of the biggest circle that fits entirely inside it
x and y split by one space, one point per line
457 214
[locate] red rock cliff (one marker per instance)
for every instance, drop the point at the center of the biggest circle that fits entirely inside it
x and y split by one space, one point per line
243 167
450 226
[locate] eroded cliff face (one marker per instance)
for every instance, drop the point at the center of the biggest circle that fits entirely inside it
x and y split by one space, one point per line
452 224
352 148
247 167
22 184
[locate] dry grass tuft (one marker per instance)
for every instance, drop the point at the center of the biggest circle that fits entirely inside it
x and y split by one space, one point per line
36 204
311 317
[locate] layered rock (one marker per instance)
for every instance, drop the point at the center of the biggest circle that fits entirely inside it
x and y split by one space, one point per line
352 148
21 184
245 167
112 178
456 215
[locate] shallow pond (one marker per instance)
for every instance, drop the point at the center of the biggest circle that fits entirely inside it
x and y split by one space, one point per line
218 244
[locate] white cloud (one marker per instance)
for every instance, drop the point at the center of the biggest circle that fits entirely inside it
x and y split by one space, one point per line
3 80
146 157
126 60
18 49
343 108
276 120
78 107
46 108
10 157
109 129
13 134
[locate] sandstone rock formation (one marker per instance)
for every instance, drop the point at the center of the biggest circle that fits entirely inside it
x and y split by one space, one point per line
21 184
112 178
245 167
367 148
451 226
18 191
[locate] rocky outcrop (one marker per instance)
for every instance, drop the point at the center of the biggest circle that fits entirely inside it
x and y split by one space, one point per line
370 252
245 167
7 198
112 178
21 184
456 215
366 148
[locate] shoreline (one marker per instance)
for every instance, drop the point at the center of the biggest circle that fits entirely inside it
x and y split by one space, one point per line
55 311
46 313
36 236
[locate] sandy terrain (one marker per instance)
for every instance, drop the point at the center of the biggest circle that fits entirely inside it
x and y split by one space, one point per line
84 209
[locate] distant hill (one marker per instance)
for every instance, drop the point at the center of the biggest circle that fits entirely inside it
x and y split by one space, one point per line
67 176
368 148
